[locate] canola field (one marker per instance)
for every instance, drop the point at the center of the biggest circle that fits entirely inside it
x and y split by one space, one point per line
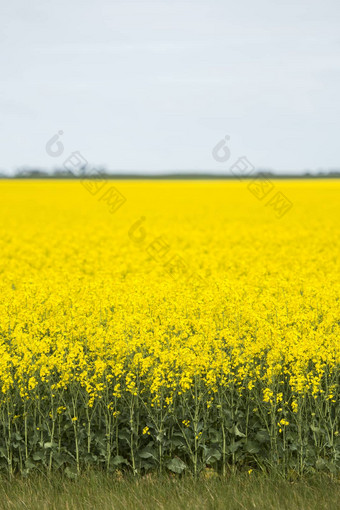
169 326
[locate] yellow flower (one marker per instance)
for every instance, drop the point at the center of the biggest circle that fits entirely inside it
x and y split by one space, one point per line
194 303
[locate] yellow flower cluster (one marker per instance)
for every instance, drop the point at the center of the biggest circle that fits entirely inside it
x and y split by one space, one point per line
188 281
251 296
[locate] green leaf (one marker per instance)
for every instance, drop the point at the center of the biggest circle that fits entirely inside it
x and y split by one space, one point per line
178 441
331 466
215 435
71 473
320 464
38 456
212 455
29 464
237 432
60 458
145 455
160 437
252 447
235 445
176 465
118 459
262 436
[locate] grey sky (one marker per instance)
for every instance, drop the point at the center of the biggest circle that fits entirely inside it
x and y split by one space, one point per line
154 85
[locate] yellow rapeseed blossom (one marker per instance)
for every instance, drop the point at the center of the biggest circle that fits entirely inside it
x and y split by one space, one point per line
189 290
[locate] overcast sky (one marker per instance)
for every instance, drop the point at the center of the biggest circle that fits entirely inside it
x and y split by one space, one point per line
155 85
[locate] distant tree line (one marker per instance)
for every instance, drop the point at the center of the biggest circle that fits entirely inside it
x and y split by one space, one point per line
32 173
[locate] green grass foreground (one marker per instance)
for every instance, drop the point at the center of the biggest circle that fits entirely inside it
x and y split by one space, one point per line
99 491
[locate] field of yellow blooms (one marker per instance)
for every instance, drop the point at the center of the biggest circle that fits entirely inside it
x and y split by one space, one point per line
169 325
